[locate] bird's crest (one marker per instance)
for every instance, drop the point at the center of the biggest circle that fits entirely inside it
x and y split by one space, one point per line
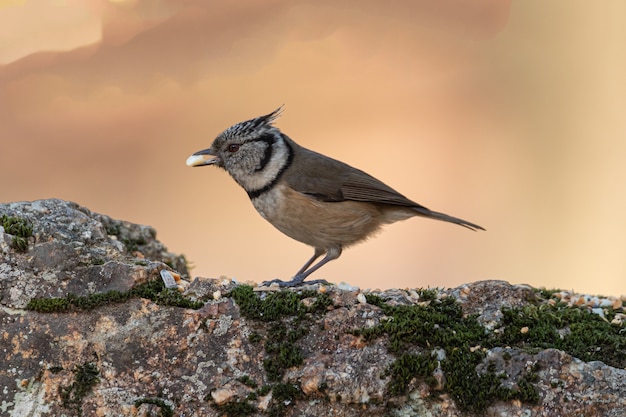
253 125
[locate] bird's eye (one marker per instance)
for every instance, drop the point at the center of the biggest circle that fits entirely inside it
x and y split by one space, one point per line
233 148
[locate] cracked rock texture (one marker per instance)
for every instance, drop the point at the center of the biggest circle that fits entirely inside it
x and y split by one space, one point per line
137 357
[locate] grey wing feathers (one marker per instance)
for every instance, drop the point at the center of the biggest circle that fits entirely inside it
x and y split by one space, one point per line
360 186
327 179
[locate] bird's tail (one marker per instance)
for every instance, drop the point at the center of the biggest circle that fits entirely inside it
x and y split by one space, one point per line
423 211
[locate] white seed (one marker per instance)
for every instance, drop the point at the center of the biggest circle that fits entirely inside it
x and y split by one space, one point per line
168 279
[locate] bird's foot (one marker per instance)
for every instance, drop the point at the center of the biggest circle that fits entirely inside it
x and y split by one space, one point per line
295 282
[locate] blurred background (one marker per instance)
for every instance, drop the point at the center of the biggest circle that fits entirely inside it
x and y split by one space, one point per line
507 114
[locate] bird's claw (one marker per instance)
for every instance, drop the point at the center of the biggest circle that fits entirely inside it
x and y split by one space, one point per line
295 282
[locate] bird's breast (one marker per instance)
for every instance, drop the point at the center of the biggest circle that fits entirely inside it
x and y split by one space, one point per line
270 203
317 223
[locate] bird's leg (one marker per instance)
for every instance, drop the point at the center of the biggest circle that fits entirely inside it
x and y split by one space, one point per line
318 252
331 254
305 271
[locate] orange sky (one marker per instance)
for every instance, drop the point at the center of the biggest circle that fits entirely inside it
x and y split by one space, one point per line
509 116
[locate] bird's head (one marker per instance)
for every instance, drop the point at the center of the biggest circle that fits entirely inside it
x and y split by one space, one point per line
244 150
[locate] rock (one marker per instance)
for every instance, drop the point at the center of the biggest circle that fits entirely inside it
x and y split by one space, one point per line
73 250
88 328
222 396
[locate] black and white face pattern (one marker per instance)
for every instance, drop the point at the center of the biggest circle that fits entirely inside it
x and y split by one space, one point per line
254 153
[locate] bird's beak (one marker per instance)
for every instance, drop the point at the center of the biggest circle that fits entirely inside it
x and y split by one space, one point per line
202 158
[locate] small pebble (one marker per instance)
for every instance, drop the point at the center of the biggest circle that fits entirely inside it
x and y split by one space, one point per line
605 302
361 298
524 330
439 354
347 287
217 295
271 287
599 311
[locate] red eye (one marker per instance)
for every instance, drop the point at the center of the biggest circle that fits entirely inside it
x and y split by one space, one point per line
233 148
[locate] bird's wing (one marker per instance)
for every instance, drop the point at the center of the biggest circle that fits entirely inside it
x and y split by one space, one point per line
360 186
327 179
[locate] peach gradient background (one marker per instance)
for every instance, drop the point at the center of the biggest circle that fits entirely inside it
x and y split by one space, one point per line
508 114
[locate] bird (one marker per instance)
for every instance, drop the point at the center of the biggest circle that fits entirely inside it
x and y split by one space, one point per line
310 197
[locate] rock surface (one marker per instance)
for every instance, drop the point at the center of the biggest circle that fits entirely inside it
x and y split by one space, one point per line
87 329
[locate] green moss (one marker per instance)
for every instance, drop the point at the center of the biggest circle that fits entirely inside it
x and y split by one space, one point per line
527 392
276 305
442 324
408 366
48 305
131 245
247 381
19 244
375 300
574 330
283 395
166 409
282 351
85 378
472 391
113 229
55 369
429 294
254 337
321 303
21 229
289 318
152 290
280 319
439 324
